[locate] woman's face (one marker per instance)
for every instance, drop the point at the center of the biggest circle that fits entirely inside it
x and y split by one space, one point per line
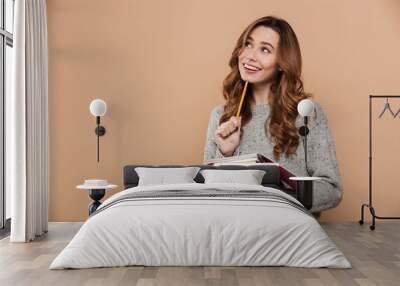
258 60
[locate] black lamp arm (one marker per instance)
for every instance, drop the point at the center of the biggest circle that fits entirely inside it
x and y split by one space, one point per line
303 131
100 131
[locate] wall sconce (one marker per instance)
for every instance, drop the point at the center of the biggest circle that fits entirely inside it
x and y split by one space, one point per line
305 109
98 108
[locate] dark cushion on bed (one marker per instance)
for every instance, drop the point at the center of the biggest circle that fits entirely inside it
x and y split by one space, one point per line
270 179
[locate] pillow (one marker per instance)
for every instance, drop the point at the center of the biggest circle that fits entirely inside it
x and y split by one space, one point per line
249 177
162 176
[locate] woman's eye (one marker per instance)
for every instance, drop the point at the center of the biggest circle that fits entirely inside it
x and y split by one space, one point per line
265 50
248 45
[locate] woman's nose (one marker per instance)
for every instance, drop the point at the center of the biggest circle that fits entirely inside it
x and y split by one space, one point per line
250 54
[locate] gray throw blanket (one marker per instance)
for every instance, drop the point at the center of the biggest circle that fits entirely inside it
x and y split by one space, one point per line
199 194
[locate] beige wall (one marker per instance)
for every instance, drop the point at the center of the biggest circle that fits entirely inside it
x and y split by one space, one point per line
159 66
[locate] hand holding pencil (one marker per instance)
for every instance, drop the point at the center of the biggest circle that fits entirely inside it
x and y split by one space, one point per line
227 135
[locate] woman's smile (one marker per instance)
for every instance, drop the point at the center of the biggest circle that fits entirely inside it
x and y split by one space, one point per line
258 61
251 69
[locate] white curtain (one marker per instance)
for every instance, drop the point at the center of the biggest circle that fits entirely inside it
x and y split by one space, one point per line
28 123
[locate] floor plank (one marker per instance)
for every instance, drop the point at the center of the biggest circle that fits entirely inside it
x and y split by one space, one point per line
375 257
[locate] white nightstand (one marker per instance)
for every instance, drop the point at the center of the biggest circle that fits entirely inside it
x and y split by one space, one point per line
97 190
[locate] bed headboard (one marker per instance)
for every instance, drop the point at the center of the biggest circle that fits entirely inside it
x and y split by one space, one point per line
270 179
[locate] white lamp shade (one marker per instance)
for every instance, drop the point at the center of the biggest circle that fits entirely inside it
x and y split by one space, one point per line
305 107
98 107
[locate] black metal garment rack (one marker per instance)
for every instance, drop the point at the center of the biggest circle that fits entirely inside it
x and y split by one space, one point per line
370 205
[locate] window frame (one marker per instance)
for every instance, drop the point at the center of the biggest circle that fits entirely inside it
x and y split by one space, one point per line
6 39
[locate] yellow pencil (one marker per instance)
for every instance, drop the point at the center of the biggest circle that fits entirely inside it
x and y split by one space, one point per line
241 100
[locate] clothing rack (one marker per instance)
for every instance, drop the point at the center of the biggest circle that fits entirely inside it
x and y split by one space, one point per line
370 205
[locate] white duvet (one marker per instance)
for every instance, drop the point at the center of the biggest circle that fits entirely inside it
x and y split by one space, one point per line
200 231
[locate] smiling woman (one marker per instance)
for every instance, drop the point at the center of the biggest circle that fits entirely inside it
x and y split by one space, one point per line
261 47
267 57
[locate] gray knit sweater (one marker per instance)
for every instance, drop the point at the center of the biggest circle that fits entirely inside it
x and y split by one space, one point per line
321 151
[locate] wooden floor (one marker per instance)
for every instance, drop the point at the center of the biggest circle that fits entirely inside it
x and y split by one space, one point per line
375 257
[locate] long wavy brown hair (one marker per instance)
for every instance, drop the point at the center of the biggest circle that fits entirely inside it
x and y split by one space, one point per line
287 88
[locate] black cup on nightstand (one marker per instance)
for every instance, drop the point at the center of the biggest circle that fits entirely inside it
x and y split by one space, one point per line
304 192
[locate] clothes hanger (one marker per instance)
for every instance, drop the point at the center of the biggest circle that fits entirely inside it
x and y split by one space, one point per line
387 107
398 112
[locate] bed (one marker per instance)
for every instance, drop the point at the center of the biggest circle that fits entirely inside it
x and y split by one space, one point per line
201 224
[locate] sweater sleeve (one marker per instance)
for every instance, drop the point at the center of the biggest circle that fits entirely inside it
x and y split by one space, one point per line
322 163
211 150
